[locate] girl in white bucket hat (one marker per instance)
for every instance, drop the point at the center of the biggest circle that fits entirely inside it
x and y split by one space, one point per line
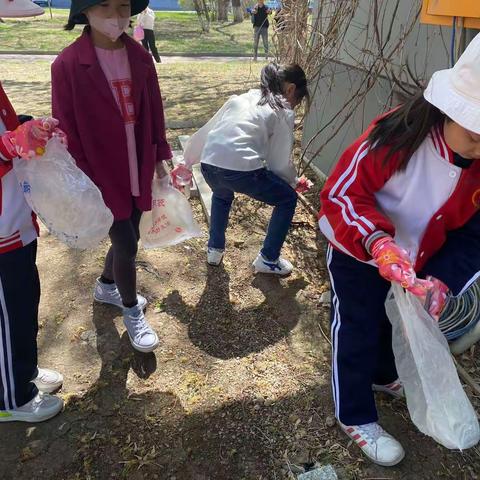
400 206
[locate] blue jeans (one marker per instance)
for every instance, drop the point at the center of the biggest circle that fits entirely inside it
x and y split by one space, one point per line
257 33
261 185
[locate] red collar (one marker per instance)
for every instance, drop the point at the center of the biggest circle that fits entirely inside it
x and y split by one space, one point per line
7 113
440 144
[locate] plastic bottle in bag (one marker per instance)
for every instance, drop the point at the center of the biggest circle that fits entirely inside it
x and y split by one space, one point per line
63 197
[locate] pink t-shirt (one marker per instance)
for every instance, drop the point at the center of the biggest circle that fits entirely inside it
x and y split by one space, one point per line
116 67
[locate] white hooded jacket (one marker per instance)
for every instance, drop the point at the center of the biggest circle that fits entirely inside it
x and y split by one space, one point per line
245 136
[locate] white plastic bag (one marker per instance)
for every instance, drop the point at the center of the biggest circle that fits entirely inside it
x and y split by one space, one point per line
63 197
171 219
436 401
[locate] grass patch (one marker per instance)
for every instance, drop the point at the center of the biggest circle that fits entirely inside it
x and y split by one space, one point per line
191 91
176 33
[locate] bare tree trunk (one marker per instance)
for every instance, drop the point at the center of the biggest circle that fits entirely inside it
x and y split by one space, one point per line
202 13
245 4
237 11
222 10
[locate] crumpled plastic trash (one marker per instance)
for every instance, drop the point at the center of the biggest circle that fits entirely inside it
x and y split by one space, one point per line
63 197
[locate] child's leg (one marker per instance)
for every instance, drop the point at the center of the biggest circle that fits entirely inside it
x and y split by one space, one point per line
120 260
271 189
457 263
153 46
256 38
222 199
19 299
362 352
265 40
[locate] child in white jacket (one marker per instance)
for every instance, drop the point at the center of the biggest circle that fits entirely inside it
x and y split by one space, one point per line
146 20
246 148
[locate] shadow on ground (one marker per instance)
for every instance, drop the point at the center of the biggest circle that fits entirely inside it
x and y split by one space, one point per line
234 332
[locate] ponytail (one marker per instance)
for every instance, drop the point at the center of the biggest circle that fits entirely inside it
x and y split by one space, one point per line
272 81
404 129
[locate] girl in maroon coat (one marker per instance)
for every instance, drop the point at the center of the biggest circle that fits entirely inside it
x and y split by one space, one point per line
105 93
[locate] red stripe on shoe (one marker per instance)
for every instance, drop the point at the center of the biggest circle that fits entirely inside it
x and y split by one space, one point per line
394 386
362 443
350 429
357 436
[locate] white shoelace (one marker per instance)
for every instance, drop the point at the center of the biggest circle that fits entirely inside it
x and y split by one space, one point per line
43 377
115 294
139 326
371 431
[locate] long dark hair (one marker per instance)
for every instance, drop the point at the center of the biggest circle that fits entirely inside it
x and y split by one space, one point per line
405 128
272 81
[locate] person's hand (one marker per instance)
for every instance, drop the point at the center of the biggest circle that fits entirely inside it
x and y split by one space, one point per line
303 185
435 298
181 176
30 138
160 170
395 265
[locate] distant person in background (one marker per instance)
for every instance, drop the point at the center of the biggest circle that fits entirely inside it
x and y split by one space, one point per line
260 15
146 20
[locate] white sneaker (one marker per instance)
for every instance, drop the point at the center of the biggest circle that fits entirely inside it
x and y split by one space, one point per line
141 335
108 293
48 381
378 445
40 408
214 256
395 389
279 267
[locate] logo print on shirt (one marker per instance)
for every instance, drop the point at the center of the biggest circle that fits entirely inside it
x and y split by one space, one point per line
123 93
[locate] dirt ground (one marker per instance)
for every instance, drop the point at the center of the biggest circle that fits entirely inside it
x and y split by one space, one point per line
238 390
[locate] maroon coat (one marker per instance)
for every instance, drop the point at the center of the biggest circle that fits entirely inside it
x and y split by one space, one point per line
84 104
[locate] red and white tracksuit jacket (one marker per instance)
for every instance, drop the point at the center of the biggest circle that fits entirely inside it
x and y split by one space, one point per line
18 225
417 206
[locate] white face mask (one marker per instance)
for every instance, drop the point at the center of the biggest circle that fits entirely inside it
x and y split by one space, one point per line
112 28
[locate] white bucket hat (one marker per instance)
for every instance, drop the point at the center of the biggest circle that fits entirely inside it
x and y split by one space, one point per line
19 8
456 91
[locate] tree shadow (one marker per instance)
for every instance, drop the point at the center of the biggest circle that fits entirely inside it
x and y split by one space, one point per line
109 433
221 329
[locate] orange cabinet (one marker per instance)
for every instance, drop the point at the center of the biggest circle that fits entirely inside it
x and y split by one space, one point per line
442 12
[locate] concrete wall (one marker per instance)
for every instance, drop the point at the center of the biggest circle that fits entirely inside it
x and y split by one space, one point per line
426 49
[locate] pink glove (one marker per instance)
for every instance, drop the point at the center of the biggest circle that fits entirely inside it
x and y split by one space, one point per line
436 298
181 176
303 184
30 138
395 265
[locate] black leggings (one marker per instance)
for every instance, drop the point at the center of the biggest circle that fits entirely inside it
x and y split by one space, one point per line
120 259
148 43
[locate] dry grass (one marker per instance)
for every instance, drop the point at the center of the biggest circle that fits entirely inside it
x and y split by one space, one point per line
239 388
192 91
